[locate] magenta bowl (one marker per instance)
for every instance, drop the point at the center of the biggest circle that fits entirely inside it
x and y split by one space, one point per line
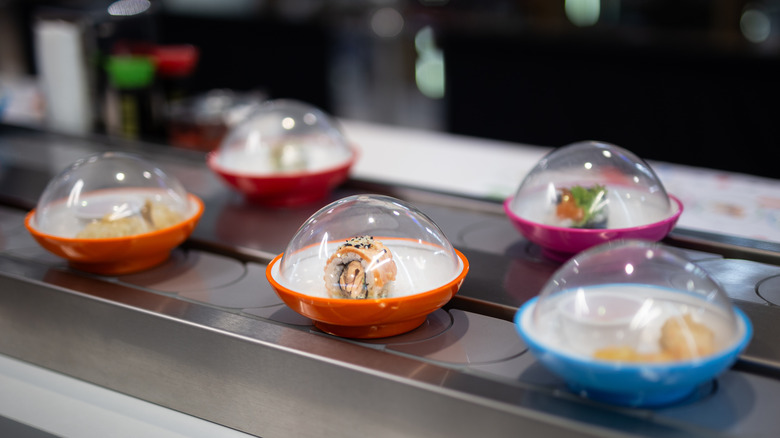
560 243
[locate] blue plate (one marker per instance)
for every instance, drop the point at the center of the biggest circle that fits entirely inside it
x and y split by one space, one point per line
632 384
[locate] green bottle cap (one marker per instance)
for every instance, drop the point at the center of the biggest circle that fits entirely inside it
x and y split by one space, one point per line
130 72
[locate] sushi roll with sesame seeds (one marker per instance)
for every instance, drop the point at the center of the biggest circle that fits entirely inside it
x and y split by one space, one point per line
361 268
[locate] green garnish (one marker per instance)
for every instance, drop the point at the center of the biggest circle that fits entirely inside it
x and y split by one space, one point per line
590 200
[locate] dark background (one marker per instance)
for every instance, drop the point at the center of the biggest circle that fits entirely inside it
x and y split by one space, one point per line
670 80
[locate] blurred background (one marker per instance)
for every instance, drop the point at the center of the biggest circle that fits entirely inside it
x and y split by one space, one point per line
686 81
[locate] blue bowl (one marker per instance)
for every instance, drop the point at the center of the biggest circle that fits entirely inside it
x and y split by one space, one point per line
632 384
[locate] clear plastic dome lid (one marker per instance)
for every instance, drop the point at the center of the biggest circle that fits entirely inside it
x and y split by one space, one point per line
368 246
592 185
215 106
634 301
107 195
284 136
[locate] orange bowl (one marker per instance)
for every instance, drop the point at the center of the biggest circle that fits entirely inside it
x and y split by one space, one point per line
119 255
369 318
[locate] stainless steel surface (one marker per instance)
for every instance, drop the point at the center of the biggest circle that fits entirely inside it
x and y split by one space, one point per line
204 333
247 373
20 430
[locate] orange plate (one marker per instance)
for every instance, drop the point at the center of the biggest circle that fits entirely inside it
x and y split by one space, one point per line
119 255
371 318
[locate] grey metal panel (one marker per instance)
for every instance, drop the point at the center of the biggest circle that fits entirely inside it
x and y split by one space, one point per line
740 277
262 378
159 347
19 430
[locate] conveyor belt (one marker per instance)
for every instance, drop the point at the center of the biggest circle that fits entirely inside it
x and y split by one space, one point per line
205 334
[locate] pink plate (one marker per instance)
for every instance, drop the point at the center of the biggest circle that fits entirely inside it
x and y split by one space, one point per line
560 243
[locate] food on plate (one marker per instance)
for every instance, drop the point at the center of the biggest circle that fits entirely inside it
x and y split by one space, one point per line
288 157
124 222
681 338
625 353
685 338
361 268
582 207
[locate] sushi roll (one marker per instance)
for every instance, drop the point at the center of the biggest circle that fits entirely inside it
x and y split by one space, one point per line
361 268
582 207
